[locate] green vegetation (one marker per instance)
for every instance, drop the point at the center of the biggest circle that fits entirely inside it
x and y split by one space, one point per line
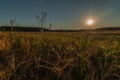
59 56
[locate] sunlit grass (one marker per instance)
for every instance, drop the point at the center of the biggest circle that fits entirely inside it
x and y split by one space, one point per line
59 56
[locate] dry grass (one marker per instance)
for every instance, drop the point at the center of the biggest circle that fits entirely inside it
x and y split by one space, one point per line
59 56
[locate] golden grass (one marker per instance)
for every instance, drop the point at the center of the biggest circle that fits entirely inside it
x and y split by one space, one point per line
59 56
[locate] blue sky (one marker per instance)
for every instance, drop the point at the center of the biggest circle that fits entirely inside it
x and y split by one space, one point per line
63 14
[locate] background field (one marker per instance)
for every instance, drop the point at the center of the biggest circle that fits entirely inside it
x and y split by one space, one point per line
59 56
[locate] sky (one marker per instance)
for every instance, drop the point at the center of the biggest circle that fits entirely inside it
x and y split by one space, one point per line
63 14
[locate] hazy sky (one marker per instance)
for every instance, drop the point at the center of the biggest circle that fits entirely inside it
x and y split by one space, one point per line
61 13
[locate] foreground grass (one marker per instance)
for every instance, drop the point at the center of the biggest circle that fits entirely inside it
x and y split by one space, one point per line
59 56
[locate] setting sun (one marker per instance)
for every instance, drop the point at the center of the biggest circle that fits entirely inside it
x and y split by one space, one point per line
90 22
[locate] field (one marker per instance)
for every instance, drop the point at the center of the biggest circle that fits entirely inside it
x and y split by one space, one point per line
59 56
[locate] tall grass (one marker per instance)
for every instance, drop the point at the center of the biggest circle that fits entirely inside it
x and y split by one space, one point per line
59 56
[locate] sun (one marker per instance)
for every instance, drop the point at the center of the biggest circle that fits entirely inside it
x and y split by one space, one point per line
90 22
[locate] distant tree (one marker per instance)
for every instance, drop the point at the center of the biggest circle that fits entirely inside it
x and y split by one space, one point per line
41 19
12 23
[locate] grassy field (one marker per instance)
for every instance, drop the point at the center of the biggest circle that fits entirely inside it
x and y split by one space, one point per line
59 56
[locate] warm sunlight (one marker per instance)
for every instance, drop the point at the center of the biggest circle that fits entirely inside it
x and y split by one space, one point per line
90 22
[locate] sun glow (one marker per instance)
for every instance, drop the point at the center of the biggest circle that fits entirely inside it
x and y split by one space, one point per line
90 22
